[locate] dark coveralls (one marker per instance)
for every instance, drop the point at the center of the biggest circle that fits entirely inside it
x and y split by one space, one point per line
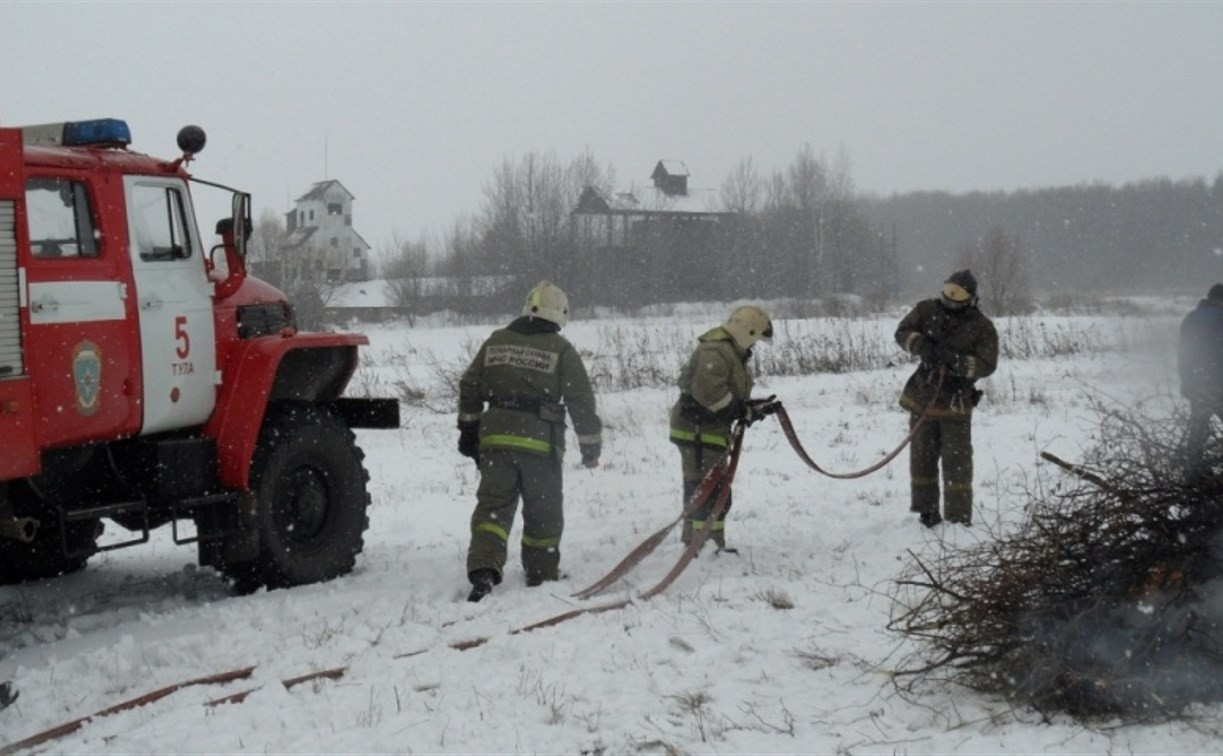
714 385
968 341
1200 362
528 375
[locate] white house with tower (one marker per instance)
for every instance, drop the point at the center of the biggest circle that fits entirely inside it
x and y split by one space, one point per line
320 231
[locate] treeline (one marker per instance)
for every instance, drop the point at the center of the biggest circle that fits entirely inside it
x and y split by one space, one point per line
799 232
1154 235
804 233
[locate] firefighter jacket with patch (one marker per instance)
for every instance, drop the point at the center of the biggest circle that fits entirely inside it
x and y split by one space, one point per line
713 386
1200 356
971 340
529 375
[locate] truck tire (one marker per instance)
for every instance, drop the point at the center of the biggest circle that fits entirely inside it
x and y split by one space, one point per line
44 556
311 498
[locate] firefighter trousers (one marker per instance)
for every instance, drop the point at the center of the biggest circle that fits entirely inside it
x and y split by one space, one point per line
505 477
951 442
696 461
1200 415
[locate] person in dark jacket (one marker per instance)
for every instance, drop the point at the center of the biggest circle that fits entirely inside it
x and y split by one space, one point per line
715 390
1200 363
957 345
513 399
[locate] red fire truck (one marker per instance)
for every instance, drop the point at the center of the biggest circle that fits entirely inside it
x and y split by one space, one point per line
146 380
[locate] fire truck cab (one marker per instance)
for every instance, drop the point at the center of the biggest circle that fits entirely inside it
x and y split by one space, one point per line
146 379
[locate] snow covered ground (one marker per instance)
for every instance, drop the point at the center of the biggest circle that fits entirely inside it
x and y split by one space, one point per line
716 664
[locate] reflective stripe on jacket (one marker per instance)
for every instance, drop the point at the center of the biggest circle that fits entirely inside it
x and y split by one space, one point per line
528 375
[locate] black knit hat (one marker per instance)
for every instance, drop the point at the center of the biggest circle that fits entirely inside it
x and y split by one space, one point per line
965 280
1216 293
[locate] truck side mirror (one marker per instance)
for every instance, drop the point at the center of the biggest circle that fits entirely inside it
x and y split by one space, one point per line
242 214
234 244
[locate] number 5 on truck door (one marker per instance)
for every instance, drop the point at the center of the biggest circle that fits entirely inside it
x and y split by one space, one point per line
175 303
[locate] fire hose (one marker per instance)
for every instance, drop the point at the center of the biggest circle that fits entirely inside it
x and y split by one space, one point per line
787 427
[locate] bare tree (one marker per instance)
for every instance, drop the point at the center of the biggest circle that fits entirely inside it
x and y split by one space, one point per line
743 189
811 225
527 227
266 253
460 265
405 269
1001 266
585 171
807 181
775 192
840 176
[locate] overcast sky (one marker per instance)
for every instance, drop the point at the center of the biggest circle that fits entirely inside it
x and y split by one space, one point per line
413 105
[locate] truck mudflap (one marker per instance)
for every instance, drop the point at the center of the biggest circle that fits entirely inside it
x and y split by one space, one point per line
368 413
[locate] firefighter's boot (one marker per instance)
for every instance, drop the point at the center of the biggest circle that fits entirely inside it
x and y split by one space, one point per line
482 582
7 695
718 536
536 579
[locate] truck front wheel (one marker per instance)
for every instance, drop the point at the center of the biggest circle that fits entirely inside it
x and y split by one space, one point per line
311 499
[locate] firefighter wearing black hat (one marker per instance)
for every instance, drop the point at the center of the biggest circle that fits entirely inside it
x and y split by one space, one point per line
957 345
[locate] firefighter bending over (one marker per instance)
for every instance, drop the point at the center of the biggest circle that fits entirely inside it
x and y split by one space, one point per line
715 389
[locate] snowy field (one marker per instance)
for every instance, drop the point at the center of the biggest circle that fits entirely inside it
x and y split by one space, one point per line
716 664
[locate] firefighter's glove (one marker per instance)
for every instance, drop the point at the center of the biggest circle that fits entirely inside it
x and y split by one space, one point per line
936 354
469 439
944 356
755 409
590 454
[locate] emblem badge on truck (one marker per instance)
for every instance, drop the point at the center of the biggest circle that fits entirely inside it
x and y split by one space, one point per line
87 373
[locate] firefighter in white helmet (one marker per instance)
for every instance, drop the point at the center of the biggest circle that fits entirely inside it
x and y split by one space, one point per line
715 390
513 399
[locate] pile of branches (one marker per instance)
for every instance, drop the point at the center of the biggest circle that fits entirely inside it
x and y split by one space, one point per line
1106 602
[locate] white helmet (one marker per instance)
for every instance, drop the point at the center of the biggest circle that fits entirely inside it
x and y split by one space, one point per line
747 325
547 301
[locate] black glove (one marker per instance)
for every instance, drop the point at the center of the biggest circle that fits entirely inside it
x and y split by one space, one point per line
935 354
754 409
469 439
943 355
590 454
